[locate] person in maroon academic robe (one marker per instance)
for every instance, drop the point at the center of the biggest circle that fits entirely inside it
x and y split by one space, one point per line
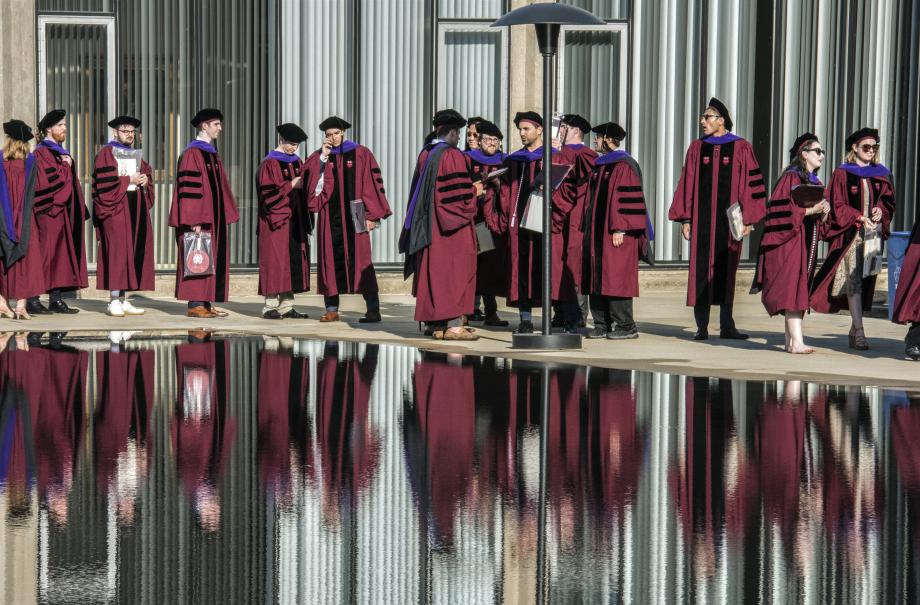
60 213
615 236
525 272
203 429
349 448
440 431
720 169
491 266
861 196
58 421
285 225
788 249
21 381
907 297
438 237
342 172
284 425
572 132
121 210
121 418
22 271
203 203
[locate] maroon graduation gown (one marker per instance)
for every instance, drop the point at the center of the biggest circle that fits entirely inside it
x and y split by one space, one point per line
60 213
124 260
615 203
203 197
566 444
202 441
22 377
343 257
788 249
491 266
444 281
349 448
445 413
525 247
714 177
907 297
284 392
284 228
582 159
779 445
844 192
57 423
125 385
905 426
24 277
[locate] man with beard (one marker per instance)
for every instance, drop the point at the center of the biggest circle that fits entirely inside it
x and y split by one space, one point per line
346 185
121 210
60 212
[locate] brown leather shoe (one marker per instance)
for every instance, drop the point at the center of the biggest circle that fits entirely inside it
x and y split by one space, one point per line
329 316
201 313
219 312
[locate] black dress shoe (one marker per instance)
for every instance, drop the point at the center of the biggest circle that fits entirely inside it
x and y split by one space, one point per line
525 327
371 317
733 334
701 335
912 353
495 321
271 314
37 308
597 332
295 314
59 306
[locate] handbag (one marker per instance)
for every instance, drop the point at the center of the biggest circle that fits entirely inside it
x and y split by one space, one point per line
197 254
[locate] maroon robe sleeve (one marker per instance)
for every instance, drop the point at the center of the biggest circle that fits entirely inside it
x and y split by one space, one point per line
455 203
191 203
784 217
885 202
627 211
843 217
752 194
564 201
273 191
684 196
53 182
316 169
149 190
498 214
109 189
373 193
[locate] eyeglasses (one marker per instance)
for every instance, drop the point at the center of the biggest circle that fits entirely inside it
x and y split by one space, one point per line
126 131
817 150
486 139
709 116
868 148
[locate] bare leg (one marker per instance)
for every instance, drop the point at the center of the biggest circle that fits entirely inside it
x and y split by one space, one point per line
795 342
5 308
856 313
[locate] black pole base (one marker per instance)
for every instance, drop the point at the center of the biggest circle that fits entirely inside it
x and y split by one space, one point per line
546 342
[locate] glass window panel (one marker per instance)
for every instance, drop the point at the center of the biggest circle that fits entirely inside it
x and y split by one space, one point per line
592 78
469 9
471 74
75 6
605 9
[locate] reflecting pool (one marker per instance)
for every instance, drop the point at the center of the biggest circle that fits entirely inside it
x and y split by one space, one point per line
249 470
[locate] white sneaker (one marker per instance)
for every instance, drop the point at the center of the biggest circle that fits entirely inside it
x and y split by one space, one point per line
116 309
130 309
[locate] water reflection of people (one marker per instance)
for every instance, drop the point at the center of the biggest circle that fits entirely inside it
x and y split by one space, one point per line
284 449
19 393
202 428
58 420
121 417
905 427
348 445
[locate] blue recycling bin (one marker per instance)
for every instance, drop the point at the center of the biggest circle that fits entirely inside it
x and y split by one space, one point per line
897 248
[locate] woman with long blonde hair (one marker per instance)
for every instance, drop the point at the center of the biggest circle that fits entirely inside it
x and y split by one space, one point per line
21 260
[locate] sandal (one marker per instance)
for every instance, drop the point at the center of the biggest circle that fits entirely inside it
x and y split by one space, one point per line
858 339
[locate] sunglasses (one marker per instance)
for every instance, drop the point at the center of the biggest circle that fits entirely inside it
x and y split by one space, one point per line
709 116
868 148
817 150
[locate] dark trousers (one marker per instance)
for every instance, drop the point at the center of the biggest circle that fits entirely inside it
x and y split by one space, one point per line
491 305
612 312
701 314
53 296
913 335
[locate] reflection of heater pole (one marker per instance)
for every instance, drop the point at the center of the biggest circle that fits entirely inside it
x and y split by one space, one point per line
544 471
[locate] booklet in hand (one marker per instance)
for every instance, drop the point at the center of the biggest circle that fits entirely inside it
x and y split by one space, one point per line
557 175
359 216
735 221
